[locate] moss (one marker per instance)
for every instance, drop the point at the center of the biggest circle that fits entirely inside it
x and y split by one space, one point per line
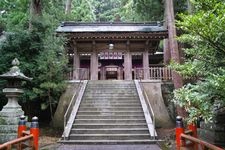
2 121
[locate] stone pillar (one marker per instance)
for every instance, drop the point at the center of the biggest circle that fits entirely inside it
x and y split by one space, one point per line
146 62
128 63
94 62
76 62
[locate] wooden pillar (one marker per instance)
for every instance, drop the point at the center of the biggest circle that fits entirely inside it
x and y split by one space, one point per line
119 74
94 62
128 63
76 62
146 61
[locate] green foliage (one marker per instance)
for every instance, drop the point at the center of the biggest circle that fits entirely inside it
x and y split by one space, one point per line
106 10
205 35
149 10
14 14
40 52
83 10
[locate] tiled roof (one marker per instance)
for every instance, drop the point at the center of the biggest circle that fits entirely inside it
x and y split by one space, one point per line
73 27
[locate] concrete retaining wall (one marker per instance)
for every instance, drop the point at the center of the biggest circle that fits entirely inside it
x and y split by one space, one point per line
64 102
154 92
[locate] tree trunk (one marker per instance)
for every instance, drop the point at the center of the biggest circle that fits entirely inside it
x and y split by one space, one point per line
173 45
35 10
68 6
190 7
166 48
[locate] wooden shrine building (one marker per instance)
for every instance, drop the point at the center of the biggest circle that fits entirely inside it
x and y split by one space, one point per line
124 51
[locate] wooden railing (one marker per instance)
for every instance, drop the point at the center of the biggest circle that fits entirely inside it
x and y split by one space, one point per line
153 73
188 139
78 74
30 137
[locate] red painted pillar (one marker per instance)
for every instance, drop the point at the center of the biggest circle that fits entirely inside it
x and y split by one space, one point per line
21 126
193 128
34 130
179 131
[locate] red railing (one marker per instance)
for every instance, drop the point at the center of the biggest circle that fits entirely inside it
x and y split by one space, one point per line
189 140
30 137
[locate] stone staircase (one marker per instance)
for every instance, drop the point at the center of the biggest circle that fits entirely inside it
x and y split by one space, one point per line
110 113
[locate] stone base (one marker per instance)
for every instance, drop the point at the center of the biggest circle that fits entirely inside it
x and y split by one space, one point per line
5 137
9 118
213 133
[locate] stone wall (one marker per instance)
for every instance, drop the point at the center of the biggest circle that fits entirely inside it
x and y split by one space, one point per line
214 132
167 94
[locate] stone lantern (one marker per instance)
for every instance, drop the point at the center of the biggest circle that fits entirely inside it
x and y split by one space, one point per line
9 115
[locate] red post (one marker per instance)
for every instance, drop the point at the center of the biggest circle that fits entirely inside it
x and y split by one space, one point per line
34 130
193 128
179 131
21 126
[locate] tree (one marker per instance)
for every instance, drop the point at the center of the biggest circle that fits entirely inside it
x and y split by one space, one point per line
68 6
84 11
205 37
41 53
173 45
35 8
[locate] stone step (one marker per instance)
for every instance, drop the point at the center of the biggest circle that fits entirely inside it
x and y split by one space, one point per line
119 121
142 141
110 91
124 95
100 109
111 83
108 136
117 90
111 105
109 98
107 112
111 131
108 125
108 101
141 116
110 112
116 87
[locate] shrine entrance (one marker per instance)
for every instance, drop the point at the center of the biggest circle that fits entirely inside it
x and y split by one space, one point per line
110 66
113 51
111 71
